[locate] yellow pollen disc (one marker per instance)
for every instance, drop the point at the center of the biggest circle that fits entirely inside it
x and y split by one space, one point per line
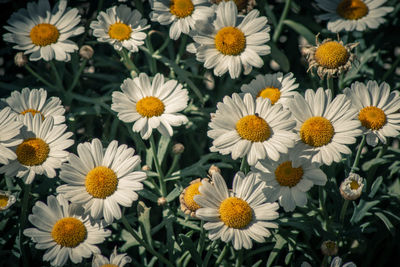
230 41
150 106
101 182
253 128
191 191
316 131
32 151
69 232
286 175
235 212
272 93
109 265
331 55
372 118
241 4
119 31
33 112
352 9
3 201
44 34
354 185
181 8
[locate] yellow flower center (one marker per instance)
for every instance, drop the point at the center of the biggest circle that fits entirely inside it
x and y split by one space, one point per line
352 9
32 151
44 34
372 118
286 175
235 212
191 191
150 106
119 31
331 55
241 4
69 232
272 93
181 8
253 128
33 112
354 185
101 182
316 131
230 41
3 201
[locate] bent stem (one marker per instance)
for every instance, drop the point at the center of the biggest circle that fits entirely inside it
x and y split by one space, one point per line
279 28
40 78
58 79
144 244
126 59
158 167
22 222
222 255
358 155
343 210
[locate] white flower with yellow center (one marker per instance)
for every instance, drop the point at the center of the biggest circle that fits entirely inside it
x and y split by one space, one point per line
9 135
351 187
238 216
231 42
100 180
36 102
325 126
252 128
243 6
378 110
330 57
152 105
42 149
353 15
120 27
289 178
116 260
60 228
6 200
181 13
278 88
186 198
43 32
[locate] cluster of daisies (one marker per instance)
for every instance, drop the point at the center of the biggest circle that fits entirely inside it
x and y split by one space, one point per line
284 137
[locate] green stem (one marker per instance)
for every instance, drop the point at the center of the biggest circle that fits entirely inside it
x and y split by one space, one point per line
152 61
144 244
392 68
77 75
40 78
126 59
343 211
182 47
279 28
58 79
239 259
325 261
22 224
243 165
329 84
175 162
222 255
158 167
358 155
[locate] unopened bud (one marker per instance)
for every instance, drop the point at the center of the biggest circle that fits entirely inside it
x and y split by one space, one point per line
213 168
20 59
351 187
161 201
329 248
178 148
86 52
146 168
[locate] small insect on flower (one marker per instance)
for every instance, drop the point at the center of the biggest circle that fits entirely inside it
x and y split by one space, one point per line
330 57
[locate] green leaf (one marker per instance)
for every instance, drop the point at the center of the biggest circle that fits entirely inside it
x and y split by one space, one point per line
173 194
148 195
387 222
376 161
279 57
144 221
162 148
280 242
300 29
375 186
362 210
189 245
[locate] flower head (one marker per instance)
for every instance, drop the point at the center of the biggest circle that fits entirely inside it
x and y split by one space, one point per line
186 198
6 200
351 187
9 135
116 260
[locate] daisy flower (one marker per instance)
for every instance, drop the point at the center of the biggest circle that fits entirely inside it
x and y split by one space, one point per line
43 32
36 102
243 6
100 180
353 15
240 215
351 187
188 205
278 88
325 126
61 230
42 149
6 200
181 13
9 135
121 27
253 128
231 42
330 58
378 110
116 260
152 105
289 178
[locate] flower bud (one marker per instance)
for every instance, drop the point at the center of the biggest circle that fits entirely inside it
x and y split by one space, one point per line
146 168
213 168
86 52
351 187
178 148
20 59
329 248
161 201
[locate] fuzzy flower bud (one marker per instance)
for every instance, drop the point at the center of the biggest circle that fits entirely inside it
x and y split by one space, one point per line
20 59
329 248
86 52
178 148
213 168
